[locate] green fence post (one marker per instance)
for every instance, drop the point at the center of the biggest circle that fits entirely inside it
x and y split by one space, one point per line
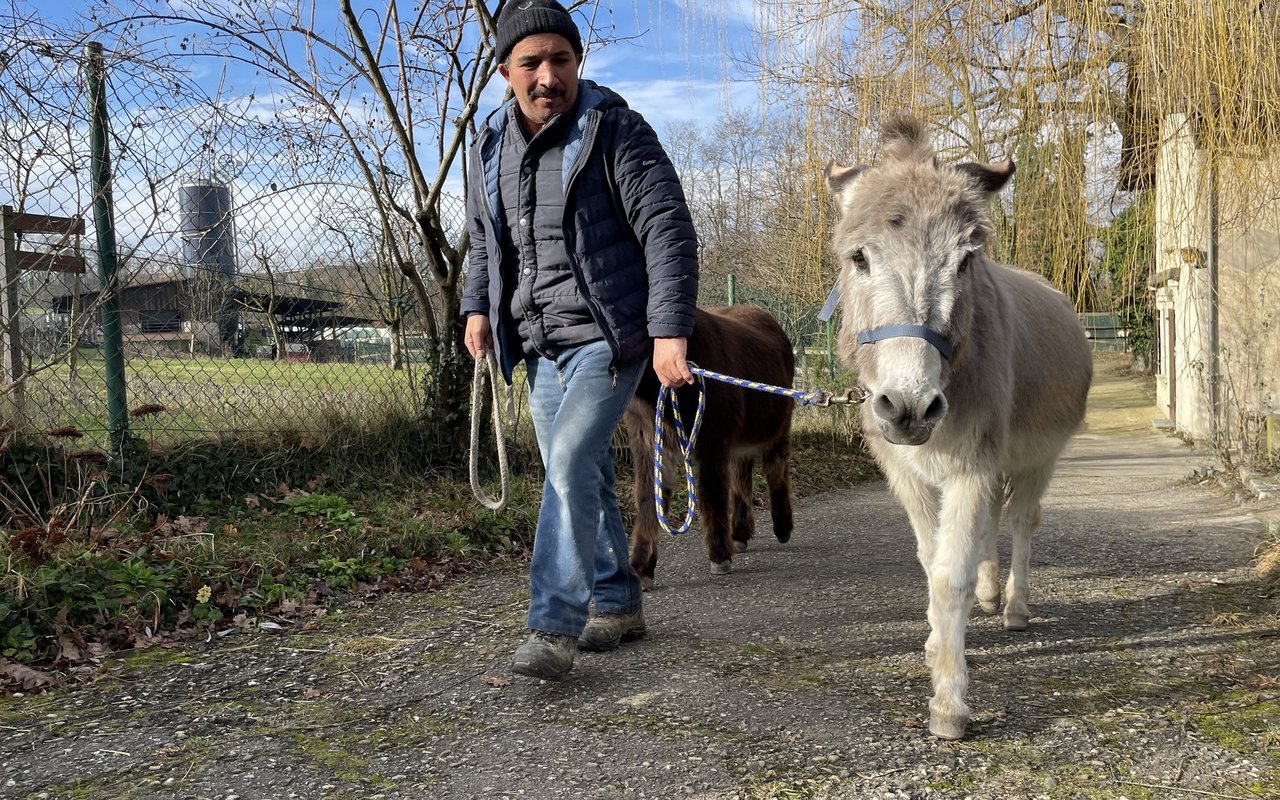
100 177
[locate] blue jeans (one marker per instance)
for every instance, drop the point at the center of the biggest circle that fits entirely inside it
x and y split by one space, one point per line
580 548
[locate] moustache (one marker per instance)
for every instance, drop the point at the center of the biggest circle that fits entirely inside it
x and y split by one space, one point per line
543 91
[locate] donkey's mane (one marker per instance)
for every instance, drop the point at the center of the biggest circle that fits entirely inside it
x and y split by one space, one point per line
903 138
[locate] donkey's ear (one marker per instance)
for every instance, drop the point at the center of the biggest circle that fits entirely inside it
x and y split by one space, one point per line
988 177
841 180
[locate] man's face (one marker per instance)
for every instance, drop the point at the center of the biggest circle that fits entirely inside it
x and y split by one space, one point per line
543 72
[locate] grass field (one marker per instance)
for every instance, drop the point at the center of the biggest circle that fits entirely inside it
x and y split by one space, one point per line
210 395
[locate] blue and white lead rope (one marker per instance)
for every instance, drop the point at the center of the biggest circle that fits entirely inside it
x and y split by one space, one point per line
818 397
685 443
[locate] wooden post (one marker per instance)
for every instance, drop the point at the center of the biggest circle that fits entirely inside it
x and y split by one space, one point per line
10 316
15 263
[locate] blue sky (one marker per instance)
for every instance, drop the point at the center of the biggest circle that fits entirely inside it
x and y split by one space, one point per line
670 63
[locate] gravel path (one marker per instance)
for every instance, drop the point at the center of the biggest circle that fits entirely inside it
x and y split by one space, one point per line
1146 673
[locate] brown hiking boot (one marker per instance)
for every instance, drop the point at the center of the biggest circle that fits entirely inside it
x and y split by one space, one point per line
545 655
607 631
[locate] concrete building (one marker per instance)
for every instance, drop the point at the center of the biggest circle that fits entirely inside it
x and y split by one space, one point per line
1217 287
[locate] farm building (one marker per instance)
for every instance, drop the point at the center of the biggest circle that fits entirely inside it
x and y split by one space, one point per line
1217 285
189 316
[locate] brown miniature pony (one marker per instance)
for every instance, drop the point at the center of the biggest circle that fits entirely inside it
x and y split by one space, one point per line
738 426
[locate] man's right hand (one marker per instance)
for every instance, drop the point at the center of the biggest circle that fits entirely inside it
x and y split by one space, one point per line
478 338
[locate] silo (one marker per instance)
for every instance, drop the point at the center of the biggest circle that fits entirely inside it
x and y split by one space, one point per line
208 240
208 249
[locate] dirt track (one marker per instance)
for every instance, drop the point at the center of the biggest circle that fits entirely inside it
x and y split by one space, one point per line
798 676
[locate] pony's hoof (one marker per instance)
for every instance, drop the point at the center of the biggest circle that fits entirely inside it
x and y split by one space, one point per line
740 545
948 728
721 567
782 536
646 583
989 605
1015 622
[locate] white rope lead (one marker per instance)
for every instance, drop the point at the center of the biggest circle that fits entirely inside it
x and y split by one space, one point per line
487 368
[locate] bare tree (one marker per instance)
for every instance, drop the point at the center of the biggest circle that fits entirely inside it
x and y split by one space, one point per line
373 268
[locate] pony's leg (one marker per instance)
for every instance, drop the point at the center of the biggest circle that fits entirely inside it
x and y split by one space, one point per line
645 531
952 580
714 489
777 474
743 518
989 566
1024 517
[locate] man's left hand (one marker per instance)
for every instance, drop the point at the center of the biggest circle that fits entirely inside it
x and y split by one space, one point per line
669 361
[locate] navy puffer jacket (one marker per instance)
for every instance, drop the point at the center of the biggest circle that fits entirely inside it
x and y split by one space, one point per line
627 229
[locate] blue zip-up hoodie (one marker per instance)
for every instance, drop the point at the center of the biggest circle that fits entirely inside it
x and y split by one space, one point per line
627 229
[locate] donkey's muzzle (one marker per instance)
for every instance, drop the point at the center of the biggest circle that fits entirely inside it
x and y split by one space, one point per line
908 418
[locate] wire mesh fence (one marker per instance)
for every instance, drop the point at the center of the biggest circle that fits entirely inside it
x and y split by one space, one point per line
812 338
251 290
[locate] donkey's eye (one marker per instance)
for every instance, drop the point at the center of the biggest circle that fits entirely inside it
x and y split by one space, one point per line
965 262
860 261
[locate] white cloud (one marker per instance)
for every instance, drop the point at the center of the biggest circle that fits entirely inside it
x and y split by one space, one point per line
662 102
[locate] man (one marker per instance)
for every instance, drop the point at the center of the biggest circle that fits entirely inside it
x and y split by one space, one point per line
583 265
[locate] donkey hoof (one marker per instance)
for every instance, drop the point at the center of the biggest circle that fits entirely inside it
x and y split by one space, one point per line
740 545
721 567
646 583
949 728
1015 622
783 536
989 605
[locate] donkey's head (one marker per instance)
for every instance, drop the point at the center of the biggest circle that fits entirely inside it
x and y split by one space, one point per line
910 248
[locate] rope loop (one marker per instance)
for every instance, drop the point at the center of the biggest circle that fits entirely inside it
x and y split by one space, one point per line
487 369
685 444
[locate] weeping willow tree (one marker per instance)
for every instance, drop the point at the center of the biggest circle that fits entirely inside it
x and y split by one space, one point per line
1081 85
1043 82
1084 95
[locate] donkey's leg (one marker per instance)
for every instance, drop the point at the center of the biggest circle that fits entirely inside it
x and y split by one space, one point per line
989 565
1024 517
645 531
743 518
920 500
952 580
777 474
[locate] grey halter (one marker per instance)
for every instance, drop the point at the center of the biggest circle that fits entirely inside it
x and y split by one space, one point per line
917 331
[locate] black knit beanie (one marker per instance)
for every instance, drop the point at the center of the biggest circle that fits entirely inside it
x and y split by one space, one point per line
523 18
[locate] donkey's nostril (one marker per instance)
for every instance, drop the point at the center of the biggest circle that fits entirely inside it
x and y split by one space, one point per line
885 408
936 410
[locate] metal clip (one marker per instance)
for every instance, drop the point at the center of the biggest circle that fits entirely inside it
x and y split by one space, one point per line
823 399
